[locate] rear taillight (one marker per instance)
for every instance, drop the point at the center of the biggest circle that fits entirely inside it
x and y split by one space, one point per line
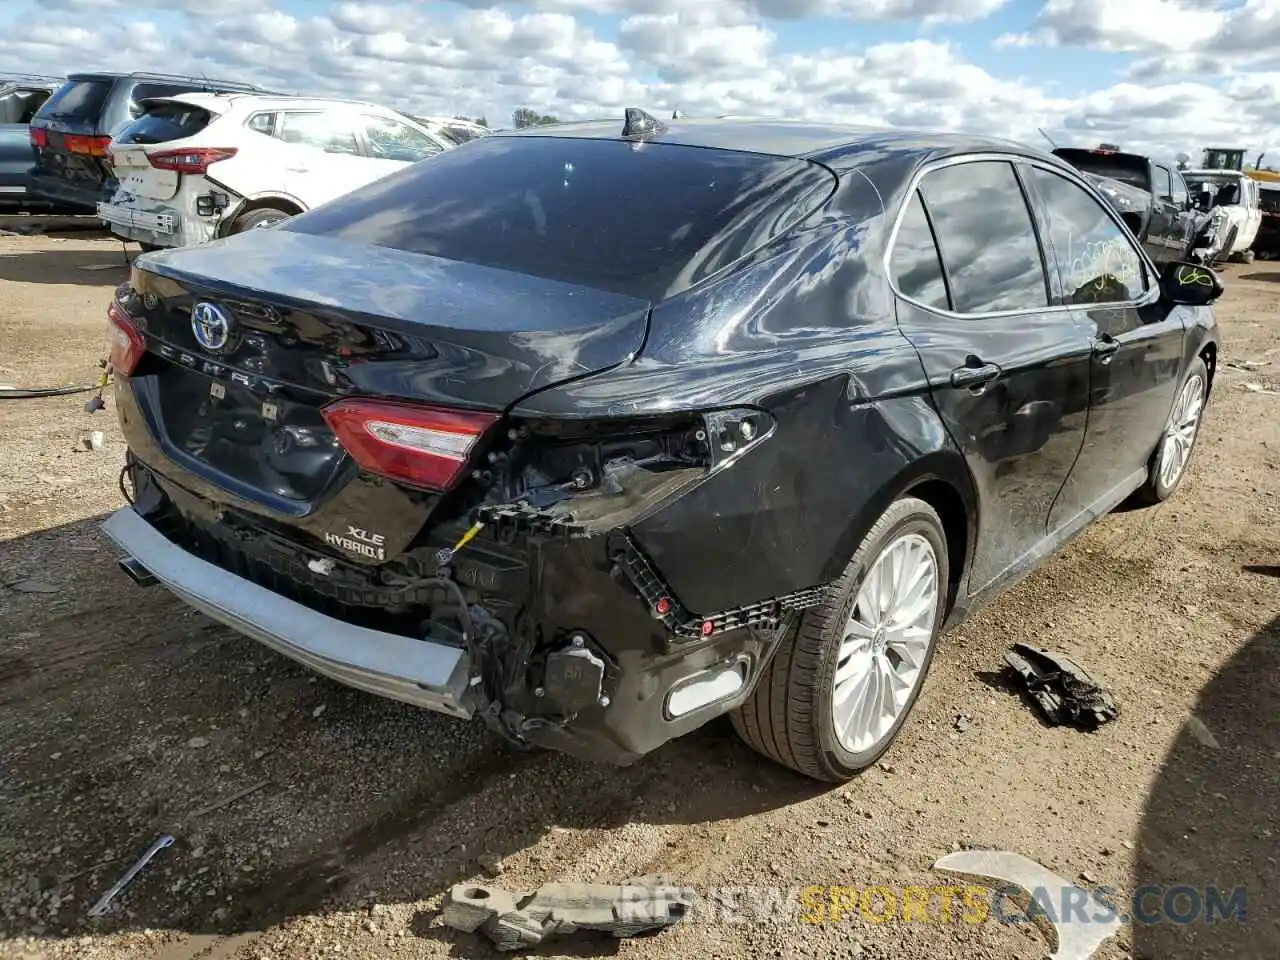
39 138
87 146
127 344
423 446
191 160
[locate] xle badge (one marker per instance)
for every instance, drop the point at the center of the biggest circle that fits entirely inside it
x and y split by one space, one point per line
359 541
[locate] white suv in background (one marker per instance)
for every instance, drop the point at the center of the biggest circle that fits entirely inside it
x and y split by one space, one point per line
197 166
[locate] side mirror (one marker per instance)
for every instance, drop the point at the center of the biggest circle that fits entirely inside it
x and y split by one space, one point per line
1190 284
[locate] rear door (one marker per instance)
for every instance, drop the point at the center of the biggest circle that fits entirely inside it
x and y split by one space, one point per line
1137 343
1008 372
1163 238
325 160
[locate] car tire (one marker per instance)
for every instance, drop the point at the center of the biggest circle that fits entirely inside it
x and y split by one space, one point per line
1178 439
1246 257
792 715
259 217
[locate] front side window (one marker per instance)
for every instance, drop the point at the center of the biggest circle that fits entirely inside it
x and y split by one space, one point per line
389 139
330 132
917 271
984 231
1163 184
1180 195
1096 262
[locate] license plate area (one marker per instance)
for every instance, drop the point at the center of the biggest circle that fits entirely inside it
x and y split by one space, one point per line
258 436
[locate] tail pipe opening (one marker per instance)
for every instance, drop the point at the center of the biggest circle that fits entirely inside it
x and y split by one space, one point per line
137 572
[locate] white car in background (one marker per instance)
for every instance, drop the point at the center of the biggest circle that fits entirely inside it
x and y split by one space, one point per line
1235 203
198 166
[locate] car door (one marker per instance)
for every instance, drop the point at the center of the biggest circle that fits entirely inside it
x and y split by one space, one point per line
1251 197
1186 220
1136 338
325 161
1161 242
1008 372
391 144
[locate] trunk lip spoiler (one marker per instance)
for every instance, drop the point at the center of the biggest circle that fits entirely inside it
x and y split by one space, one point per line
418 672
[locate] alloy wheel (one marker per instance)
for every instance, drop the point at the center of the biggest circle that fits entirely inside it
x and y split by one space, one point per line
886 642
1180 434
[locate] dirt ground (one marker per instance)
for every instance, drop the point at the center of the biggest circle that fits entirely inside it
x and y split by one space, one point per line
124 715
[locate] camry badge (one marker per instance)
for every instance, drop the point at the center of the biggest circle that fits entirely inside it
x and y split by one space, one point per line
211 325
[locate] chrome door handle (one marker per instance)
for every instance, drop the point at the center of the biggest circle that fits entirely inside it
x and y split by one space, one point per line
1105 347
974 375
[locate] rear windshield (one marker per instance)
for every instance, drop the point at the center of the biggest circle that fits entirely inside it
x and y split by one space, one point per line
646 220
77 100
1125 167
164 122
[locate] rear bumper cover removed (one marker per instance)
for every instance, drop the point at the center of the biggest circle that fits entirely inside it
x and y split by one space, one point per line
419 672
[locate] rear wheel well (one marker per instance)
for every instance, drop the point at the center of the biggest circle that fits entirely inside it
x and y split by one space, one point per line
271 203
949 505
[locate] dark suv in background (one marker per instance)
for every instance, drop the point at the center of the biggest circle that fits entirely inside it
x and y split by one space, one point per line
71 132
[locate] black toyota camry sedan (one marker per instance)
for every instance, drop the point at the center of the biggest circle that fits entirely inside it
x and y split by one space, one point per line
600 431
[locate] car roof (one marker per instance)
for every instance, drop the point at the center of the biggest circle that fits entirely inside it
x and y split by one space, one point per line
805 139
142 75
222 101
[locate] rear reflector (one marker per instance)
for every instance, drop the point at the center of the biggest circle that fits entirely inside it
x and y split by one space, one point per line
192 160
39 138
88 146
423 446
127 344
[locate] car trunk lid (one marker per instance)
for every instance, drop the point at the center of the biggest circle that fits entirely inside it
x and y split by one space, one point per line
312 320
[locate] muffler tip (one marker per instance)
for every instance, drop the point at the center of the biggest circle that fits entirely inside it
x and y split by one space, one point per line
137 572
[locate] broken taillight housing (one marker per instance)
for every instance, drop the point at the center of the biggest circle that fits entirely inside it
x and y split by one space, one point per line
422 446
127 343
86 145
191 160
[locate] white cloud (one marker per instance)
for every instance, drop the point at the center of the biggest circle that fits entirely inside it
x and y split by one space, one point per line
1193 71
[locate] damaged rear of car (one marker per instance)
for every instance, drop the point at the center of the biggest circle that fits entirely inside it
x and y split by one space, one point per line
437 439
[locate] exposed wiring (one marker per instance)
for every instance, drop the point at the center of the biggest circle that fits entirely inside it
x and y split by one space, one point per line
31 393
34 393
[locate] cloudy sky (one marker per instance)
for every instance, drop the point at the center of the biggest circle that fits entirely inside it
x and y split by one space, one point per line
1161 75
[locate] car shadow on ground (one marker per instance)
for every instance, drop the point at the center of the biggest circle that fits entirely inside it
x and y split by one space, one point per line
1272 276
128 715
1211 824
104 264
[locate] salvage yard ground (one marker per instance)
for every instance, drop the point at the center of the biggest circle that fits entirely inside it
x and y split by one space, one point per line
124 715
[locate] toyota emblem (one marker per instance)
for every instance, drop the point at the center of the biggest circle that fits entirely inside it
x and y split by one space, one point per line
211 325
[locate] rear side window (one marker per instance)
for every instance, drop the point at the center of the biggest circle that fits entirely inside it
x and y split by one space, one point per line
77 100
330 132
262 123
988 244
646 220
164 122
389 139
917 271
1096 261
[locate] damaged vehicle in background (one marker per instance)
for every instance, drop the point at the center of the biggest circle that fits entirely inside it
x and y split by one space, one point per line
20 97
599 431
1151 197
72 131
199 166
1235 207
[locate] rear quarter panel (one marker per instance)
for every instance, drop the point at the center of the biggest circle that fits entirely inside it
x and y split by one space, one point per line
16 159
809 334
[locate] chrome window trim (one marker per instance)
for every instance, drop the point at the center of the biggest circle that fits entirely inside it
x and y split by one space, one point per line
1151 295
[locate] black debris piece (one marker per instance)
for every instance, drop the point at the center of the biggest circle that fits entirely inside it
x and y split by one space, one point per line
1061 688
